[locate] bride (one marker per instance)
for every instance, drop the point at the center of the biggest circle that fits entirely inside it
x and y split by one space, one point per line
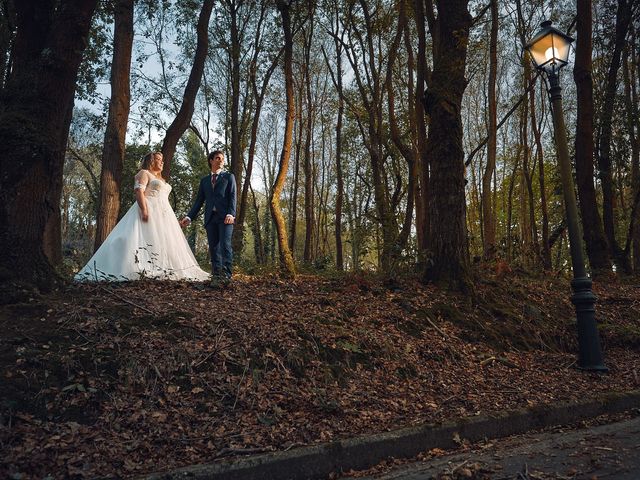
148 241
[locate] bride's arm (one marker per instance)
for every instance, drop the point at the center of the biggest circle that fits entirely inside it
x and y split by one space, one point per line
140 185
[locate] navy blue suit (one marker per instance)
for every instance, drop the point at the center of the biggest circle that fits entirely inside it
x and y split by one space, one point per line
219 201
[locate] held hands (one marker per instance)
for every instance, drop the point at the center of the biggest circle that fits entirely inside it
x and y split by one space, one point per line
229 220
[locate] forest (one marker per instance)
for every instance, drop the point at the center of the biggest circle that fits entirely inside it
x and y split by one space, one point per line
416 201
376 136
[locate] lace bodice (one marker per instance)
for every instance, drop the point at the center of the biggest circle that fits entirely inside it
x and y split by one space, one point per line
157 188
152 186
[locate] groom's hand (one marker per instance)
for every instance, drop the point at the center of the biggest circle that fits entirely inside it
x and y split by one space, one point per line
185 222
229 220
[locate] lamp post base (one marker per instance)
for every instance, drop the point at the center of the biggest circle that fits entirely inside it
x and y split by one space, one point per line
589 353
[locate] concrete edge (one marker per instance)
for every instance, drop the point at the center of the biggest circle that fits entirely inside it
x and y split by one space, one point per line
362 452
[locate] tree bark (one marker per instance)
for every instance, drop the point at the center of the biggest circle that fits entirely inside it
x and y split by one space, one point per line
448 242
35 115
114 138
183 118
595 240
286 259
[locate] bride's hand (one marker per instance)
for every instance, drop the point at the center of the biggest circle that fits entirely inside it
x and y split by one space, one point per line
144 215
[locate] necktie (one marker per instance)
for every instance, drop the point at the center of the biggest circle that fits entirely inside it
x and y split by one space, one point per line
213 179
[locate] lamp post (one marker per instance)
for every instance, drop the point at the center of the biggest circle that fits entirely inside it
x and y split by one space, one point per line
549 50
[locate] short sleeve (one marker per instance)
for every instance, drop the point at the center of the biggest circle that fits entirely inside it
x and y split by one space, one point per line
141 180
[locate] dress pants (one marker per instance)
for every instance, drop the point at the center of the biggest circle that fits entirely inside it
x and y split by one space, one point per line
219 237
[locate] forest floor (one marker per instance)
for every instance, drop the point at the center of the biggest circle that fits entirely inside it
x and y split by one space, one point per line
124 379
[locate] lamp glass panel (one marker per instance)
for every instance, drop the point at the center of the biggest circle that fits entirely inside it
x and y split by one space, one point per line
539 49
561 46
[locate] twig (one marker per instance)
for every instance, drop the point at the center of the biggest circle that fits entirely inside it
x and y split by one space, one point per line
155 367
487 360
129 301
435 326
240 385
459 466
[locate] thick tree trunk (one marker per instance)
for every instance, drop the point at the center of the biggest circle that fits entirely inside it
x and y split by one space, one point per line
114 138
183 118
595 240
623 19
488 216
35 114
286 259
447 242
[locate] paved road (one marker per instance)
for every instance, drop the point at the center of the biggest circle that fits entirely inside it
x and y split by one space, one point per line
601 452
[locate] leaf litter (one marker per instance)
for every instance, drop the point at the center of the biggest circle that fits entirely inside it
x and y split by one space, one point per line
126 379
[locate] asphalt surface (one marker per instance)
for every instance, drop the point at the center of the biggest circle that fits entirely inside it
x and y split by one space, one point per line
609 451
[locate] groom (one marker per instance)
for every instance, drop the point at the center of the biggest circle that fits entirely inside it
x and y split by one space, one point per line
218 193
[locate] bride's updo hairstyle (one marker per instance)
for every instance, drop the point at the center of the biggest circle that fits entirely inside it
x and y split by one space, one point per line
147 160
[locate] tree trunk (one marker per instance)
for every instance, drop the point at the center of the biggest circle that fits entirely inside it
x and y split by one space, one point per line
488 216
448 242
422 188
406 150
632 117
293 210
595 240
623 19
114 138
340 186
236 160
183 118
253 139
35 115
308 175
546 252
286 259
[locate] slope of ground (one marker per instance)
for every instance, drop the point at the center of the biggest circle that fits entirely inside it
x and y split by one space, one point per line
138 377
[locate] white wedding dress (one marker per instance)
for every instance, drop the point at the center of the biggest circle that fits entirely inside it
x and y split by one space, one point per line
135 249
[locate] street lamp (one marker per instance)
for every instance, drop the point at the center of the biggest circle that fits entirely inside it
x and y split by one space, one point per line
549 50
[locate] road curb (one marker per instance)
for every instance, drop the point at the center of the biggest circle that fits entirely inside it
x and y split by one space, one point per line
362 452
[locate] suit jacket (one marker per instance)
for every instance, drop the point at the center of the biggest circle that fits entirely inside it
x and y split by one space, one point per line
219 201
